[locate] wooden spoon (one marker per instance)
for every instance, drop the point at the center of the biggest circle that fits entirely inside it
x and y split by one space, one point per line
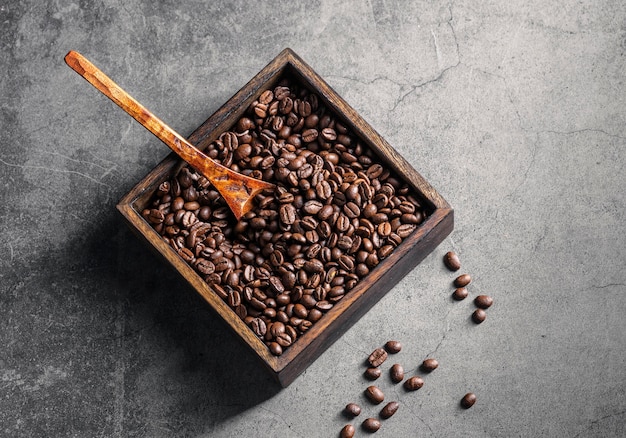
237 190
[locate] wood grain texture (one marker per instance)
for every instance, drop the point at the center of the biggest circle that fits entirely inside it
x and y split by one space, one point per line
237 190
369 291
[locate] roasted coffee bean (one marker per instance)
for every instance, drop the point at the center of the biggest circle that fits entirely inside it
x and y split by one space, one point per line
371 425
393 347
385 251
313 266
275 348
384 229
346 262
352 410
374 394
389 409
258 326
284 340
460 293
323 305
405 230
291 331
276 328
310 135
429 365
205 266
413 383
451 260
479 316
276 285
468 400
347 431
396 373
462 280
287 214
483 301
314 315
351 210
377 357
373 373
234 299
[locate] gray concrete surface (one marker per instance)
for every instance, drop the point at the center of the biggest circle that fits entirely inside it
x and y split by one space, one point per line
515 111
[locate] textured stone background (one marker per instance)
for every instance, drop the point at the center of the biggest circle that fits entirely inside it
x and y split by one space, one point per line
514 110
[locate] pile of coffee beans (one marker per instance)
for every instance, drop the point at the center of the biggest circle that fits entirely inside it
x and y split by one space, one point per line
336 213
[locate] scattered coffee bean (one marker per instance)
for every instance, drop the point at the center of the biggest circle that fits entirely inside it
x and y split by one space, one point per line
452 261
460 293
483 301
479 316
352 410
373 373
377 357
396 372
393 347
389 409
462 280
468 400
429 365
374 394
413 383
347 431
371 425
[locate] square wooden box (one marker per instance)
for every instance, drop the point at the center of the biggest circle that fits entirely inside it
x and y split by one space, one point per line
357 301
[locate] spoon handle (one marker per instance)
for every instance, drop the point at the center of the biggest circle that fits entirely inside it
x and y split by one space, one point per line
236 189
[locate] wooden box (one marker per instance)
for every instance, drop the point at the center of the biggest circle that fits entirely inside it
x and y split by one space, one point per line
437 225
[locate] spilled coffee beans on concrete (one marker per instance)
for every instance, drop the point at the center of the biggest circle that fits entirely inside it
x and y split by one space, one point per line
335 214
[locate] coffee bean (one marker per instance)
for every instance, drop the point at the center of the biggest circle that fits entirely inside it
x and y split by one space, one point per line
287 214
479 316
352 410
460 293
413 383
429 365
393 347
348 431
405 230
389 409
374 394
468 400
462 280
284 340
396 373
258 326
483 301
452 261
275 349
371 425
377 357
373 373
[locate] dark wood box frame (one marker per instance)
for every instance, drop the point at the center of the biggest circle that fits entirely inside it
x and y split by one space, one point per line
359 300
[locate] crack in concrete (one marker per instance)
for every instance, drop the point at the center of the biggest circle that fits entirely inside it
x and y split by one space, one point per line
597 420
579 131
604 286
414 88
52 169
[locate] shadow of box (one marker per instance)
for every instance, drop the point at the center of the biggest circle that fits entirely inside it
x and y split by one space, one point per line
437 224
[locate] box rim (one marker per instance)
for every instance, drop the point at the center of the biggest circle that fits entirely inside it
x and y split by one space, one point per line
287 59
